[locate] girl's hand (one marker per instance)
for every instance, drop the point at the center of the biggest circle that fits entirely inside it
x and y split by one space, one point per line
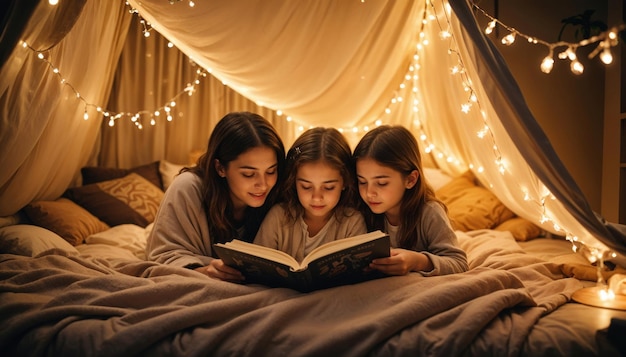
218 270
402 262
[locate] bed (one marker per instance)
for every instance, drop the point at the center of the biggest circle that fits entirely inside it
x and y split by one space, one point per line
74 281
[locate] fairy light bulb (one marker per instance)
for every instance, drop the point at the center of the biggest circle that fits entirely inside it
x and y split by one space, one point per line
508 39
571 54
490 27
577 67
547 64
606 57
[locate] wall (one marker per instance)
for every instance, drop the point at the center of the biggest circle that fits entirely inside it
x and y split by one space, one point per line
569 108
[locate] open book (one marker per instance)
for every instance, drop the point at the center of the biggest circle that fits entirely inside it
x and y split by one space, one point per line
340 262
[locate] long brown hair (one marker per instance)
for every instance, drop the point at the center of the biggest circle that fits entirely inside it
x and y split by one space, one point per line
396 147
233 135
331 147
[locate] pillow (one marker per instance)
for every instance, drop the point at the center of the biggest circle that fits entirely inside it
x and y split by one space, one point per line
471 207
129 237
94 174
168 172
131 199
65 218
29 240
522 229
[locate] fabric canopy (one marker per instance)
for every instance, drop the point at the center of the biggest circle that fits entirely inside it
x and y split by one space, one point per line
346 64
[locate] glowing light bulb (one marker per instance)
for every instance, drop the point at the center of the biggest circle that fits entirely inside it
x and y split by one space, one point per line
547 64
577 67
490 27
606 57
508 39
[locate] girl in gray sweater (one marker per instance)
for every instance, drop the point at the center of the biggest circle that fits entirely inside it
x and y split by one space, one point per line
397 199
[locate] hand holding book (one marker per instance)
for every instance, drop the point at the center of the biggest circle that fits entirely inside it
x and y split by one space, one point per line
344 261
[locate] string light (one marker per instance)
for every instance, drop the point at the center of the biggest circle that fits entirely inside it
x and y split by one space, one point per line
113 116
191 3
592 253
605 40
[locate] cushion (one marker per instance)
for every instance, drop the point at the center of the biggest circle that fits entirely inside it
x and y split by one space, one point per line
129 237
522 229
94 174
470 206
29 240
128 200
65 218
168 172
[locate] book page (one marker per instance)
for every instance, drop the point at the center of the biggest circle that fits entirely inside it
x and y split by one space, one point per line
263 252
340 244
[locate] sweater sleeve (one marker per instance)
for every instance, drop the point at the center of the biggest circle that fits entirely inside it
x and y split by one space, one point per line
180 234
439 242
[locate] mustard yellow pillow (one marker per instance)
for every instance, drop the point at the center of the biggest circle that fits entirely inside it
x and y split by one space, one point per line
65 218
470 206
522 229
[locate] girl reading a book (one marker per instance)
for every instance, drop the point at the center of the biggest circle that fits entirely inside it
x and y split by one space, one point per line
397 199
317 198
224 196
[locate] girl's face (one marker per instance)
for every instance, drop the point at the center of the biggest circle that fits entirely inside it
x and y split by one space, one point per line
250 177
382 187
319 189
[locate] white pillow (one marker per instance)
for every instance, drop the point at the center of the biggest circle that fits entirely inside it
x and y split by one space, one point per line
436 178
129 237
168 172
30 240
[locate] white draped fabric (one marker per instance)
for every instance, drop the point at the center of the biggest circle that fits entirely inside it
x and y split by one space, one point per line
348 64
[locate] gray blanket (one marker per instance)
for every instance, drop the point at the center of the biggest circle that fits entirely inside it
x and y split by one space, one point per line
59 304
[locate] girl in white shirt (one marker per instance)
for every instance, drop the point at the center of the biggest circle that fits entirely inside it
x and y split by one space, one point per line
318 196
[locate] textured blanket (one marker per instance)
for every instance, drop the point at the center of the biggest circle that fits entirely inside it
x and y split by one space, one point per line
59 304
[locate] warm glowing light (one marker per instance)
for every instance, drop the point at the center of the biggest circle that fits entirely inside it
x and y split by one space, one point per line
547 64
606 57
577 67
606 294
490 27
508 39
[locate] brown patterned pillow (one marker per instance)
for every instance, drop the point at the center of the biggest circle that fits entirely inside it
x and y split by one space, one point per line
130 199
65 218
95 174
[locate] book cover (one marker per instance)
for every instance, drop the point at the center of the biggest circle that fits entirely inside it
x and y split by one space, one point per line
341 262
